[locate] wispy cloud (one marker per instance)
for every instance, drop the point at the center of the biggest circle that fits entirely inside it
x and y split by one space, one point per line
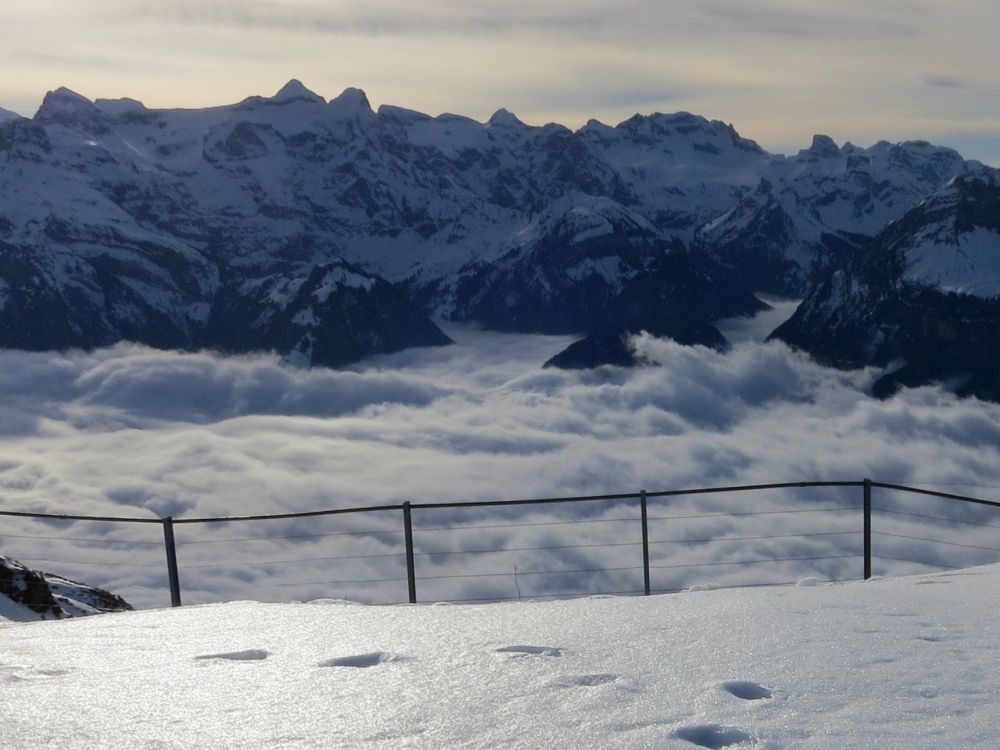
640 18
944 82
383 18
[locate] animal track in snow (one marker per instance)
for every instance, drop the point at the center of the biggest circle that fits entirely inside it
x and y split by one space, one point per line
711 735
362 661
530 650
748 691
583 680
12 673
250 654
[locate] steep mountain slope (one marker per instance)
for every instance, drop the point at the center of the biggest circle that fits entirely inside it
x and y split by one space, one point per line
923 300
814 208
585 265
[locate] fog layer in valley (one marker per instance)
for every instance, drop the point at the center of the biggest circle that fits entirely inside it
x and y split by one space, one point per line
129 431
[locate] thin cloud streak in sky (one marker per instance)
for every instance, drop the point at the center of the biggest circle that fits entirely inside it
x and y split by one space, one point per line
944 82
386 17
795 19
372 19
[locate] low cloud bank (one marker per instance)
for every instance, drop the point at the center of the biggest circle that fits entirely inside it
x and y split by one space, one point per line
131 431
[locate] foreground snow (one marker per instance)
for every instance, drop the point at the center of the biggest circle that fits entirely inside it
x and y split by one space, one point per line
902 663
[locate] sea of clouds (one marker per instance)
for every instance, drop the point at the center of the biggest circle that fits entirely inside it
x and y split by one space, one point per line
130 431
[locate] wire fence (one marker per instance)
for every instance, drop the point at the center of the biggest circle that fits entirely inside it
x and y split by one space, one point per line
539 548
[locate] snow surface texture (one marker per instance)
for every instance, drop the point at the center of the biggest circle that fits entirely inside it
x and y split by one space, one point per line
130 431
889 664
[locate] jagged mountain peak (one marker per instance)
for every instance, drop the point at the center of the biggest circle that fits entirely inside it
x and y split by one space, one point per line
63 100
63 93
504 118
351 101
823 147
295 90
684 120
708 135
600 132
72 110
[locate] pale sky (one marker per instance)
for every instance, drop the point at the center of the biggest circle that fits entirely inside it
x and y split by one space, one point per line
779 70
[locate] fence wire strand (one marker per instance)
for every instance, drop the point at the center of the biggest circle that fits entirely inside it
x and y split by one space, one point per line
935 541
629 500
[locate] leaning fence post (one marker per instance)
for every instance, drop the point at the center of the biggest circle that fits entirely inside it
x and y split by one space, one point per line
645 543
168 543
411 574
868 528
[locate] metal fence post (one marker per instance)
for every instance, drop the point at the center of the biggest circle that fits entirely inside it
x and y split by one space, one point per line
411 574
171 547
868 528
645 544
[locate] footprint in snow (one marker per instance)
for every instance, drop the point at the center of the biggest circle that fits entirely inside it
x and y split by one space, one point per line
362 661
252 654
744 690
583 680
519 651
711 735
23 674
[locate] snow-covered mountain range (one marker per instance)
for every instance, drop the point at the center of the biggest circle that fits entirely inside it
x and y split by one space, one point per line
328 231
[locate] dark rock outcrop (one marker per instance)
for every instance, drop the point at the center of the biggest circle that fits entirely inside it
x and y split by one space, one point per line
615 346
49 597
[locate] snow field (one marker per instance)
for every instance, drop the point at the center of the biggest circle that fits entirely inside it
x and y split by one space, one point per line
903 663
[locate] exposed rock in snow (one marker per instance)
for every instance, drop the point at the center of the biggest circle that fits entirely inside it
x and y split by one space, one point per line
616 346
27 594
